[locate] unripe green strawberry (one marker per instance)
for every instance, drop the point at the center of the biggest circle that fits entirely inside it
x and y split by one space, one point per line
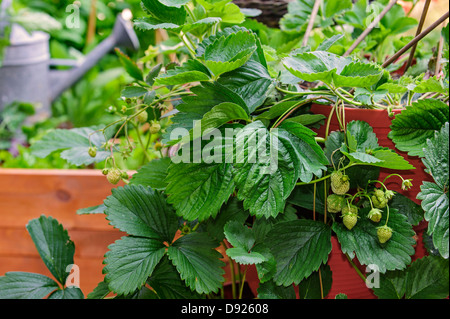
389 194
92 151
142 116
340 183
157 146
379 202
350 220
379 193
335 203
114 176
375 215
384 233
155 128
124 175
349 209
105 171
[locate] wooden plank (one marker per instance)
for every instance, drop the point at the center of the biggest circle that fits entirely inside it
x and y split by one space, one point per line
27 194
88 243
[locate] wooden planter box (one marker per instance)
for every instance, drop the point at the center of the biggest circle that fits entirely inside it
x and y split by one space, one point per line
26 194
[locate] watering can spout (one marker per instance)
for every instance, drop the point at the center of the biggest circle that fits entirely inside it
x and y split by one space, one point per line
122 35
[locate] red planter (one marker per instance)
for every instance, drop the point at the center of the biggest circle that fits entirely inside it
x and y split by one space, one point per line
380 122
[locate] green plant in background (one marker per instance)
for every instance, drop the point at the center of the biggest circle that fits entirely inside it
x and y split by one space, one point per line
277 215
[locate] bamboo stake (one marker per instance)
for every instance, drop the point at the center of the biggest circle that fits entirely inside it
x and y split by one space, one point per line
370 27
439 56
311 22
415 40
419 29
92 22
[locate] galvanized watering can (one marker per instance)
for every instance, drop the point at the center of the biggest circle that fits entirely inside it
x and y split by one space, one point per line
26 75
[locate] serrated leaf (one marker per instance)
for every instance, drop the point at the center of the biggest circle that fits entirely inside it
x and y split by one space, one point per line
407 207
152 174
332 69
268 164
166 281
415 124
165 13
392 285
435 203
333 8
141 211
133 91
228 53
436 156
198 262
200 24
431 84
130 261
362 241
53 244
270 290
317 285
151 23
328 43
358 74
67 293
428 278
294 242
250 81
218 116
363 136
198 190
25 285
74 144
242 239
174 3
129 65
190 71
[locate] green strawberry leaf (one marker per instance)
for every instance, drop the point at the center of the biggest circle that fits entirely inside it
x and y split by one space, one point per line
229 52
435 203
435 197
242 239
360 136
152 174
151 23
251 82
174 3
129 65
130 261
67 293
74 144
198 190
141 211
362 241
392 285
415 124
436 157
270 290
25 285
168 14
267 165
317 285
428 278
190 71
166 282
332 69
294 242
198 262
53 244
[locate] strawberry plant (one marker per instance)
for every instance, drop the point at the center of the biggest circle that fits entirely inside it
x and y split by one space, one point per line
230 161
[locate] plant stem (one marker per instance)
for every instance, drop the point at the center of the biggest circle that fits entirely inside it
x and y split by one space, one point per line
415 40
243 282
312 18
138 133
356 268
419 29
304 92
370 27
335 91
